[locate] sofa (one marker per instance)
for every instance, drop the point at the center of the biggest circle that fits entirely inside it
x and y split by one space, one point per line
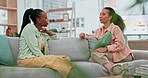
138 44
77 49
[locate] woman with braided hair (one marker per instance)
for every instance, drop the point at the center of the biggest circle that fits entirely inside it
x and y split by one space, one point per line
33 51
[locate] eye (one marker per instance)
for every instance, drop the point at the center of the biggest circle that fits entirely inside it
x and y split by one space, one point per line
103 14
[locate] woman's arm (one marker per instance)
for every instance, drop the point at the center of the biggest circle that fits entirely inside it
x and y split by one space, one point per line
32 42
101 50
86 36
118 42
50 33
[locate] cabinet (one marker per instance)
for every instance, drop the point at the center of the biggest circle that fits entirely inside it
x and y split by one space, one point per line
64 20
10 7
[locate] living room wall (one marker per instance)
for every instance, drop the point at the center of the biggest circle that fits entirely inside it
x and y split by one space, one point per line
23 5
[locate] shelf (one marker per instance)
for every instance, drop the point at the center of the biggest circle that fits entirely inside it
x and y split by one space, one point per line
3 3
14 25
60 21
8 8
58 10
68 21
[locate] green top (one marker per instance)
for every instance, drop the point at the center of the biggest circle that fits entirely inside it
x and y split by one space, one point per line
30 42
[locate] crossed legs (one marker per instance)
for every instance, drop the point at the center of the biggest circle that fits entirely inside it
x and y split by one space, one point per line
105 59
102 59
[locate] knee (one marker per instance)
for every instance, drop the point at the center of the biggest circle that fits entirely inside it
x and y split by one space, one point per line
67 58
64 57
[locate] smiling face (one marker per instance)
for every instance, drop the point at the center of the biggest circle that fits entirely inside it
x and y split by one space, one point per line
104 16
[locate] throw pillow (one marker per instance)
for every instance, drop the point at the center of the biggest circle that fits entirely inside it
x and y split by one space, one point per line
92 41
104 41
6 57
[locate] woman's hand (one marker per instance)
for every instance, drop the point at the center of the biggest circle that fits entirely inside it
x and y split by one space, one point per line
101 50
50 33
44 29
82 35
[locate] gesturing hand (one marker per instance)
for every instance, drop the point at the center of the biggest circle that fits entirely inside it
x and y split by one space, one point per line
82 35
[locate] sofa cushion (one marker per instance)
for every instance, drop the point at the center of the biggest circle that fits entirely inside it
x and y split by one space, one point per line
24 72
136 63
14 45
93 70
140 54
75 48
6 57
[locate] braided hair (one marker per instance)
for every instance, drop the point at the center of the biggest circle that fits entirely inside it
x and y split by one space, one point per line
32 14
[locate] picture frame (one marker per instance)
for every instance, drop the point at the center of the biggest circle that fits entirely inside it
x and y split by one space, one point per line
65 17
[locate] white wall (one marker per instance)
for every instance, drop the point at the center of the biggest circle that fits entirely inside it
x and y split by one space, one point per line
90 11
25 4
84 8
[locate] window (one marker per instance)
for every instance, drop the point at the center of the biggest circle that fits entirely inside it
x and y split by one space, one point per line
134 14
80 22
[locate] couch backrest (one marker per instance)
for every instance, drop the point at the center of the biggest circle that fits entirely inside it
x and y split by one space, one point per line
140 54
75 48
14 45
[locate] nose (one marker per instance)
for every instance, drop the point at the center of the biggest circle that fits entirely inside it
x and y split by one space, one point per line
100 16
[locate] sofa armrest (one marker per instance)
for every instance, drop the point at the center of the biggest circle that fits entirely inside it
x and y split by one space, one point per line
140 54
